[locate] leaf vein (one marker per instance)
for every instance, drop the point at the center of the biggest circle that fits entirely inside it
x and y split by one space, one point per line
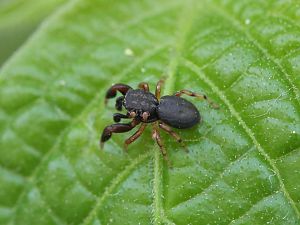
114 183
90 104
78 179
250 208
184 26
51 212
288 154
238 25
217 178
243 124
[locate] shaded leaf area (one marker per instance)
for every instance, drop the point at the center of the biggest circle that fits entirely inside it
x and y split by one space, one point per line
243 160
18 19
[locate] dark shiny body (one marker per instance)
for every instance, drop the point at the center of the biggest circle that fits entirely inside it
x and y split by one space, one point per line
172 110
177 112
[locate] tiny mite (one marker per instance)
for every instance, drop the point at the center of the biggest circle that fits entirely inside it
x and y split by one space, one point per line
143 108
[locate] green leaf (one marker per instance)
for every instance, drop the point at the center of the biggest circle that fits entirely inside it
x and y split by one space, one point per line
243 165
18 19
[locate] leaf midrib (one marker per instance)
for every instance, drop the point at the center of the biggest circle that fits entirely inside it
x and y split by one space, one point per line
185 22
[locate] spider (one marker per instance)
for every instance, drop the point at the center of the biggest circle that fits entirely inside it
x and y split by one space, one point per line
143 108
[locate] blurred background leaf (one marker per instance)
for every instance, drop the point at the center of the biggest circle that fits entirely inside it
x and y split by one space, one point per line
243 163
18 19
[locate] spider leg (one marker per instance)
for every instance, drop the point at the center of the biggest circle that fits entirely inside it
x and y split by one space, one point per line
138 133
135 136
112 91
158 88
199 96
144 86
116 128
145 116
119 103
173 134
118 116
157 138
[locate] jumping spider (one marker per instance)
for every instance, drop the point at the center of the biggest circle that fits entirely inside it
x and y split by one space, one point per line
143 108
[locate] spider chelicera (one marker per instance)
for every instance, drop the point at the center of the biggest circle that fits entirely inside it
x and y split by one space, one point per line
143 108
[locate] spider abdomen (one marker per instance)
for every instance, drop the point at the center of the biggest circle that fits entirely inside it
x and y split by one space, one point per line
177 112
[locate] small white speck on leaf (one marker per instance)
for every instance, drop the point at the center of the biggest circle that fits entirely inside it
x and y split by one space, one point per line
62 83
128 52
143 70
247 21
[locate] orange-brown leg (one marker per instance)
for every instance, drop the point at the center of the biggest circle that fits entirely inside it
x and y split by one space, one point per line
144 86
158 88
157 138
135 136
199 96
173 134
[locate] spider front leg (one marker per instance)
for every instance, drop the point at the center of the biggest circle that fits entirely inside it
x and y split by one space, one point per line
118 116
116 128
199 96
112 91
